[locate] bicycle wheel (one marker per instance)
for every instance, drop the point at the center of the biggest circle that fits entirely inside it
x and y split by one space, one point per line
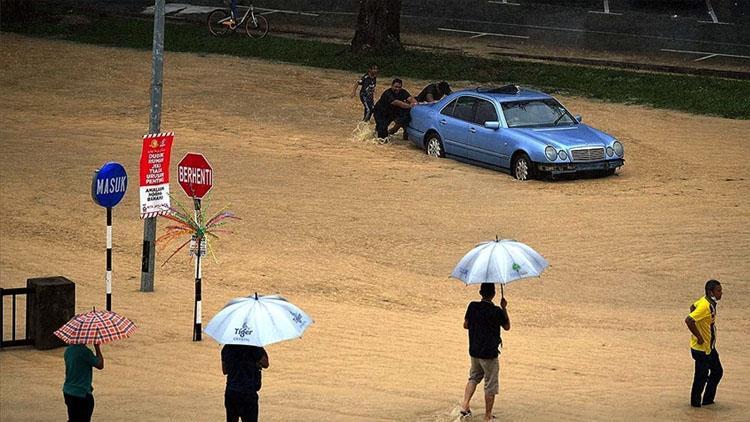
215 23
257 29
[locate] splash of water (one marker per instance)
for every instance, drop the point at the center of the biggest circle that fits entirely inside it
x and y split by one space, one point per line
364 132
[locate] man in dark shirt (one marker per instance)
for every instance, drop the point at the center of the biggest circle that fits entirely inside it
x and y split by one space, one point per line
242 365
434 92
393 106
483 320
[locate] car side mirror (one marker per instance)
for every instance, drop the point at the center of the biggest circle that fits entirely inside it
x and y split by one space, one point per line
492 125
579 118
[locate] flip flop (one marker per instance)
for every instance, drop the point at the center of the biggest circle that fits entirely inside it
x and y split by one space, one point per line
465 413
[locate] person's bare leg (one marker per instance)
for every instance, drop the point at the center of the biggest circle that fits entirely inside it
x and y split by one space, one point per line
471 386
489 403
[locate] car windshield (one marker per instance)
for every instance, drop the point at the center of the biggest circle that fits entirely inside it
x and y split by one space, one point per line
536 113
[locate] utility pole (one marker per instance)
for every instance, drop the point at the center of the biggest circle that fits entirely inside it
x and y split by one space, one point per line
149 224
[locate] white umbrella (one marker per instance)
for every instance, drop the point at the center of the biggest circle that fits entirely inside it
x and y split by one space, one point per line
499 261
258 321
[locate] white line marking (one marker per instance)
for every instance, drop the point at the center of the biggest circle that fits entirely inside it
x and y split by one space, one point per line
707 53
481 34
504 2
289 12
704 58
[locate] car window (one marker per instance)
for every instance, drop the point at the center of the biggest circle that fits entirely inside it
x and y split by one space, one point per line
448 110
465 108
485 112
536 113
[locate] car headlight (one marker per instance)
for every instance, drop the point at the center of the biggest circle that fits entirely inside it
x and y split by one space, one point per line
550 153
562 155
619 150
610 151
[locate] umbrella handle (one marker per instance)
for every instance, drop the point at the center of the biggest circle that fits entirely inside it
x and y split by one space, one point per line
502 293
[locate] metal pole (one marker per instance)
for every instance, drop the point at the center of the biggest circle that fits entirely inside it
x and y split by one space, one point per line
108 276
198 275
149 224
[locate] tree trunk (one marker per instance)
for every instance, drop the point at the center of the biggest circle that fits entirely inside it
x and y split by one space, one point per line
378 27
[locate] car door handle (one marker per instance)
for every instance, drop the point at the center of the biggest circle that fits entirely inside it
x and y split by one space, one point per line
472 130
443 122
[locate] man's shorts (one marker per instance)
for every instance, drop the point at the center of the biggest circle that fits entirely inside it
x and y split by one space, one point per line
489 369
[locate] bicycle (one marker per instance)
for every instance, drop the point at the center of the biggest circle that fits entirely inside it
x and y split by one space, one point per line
256 26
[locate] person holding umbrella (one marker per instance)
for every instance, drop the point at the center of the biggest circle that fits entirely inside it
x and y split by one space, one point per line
245 326
483 320
242 365
97 328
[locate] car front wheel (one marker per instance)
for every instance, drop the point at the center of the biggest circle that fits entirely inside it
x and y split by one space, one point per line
523 167
434 146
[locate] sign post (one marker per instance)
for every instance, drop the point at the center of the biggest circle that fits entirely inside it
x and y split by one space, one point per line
195 176
157 66
107 189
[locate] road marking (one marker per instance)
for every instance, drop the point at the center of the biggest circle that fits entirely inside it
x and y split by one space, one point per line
482 34
288 12
504 2
706 54
606 10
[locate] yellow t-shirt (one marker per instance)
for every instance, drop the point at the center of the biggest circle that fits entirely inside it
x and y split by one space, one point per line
704 316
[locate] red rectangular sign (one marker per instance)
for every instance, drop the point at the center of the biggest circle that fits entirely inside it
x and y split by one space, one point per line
154 174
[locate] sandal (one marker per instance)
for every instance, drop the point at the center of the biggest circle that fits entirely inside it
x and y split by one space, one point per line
465 413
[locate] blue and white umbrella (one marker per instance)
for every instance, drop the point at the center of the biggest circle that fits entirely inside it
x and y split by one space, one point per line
258 321
499 261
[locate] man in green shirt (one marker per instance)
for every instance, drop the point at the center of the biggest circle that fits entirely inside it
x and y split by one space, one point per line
77 388
702 324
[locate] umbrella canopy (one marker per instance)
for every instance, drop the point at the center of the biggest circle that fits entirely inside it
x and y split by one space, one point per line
95 327
258 321
499 261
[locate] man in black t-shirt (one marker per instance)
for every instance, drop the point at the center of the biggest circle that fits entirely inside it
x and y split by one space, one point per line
242 365
483 320
393 106
434 92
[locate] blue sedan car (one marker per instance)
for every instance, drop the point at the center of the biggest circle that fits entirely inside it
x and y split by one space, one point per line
527 133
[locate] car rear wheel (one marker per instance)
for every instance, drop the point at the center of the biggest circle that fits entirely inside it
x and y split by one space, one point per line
434 146
523 167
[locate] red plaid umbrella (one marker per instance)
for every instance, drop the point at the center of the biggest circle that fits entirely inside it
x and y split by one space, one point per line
95 327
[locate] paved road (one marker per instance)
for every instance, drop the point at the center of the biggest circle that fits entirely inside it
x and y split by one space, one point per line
691 33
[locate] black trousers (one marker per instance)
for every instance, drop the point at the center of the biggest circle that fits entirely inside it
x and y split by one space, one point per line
708 373
369 104
383 119
80 409
241 405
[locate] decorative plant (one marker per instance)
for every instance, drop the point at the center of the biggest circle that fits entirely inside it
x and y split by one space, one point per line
185 222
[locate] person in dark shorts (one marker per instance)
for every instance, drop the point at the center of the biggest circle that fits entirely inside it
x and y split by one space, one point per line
77 389
702 325
242 366
367 91
393 106
483 320
434 92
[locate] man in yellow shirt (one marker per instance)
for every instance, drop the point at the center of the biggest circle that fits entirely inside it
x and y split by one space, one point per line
702 324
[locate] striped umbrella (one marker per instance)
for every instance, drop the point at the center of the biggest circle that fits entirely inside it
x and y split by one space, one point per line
95 327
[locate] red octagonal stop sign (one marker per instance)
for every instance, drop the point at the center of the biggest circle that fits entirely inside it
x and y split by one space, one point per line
195 175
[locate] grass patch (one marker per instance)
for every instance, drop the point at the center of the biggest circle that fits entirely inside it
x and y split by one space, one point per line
695 94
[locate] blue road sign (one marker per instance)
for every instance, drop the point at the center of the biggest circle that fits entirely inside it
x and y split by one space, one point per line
109 184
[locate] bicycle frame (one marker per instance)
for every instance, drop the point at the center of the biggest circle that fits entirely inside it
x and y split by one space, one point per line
250 11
